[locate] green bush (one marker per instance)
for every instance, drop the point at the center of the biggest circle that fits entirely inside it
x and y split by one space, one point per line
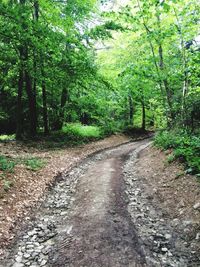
5 137
185 147
34 164
79 132
6 164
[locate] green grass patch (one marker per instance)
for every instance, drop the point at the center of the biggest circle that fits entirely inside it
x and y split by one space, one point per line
7 184
71 135
6 164
34 164
5 137
79 131
185 147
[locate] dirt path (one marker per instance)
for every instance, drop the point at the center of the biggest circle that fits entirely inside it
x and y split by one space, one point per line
102 233
90 219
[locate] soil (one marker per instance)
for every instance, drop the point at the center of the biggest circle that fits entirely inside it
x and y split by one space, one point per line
124 206
29 187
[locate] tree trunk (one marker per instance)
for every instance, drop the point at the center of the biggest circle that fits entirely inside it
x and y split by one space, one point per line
162 69
44 102
19 105
165 82
31 104
27 78
185 72
156 64
131 110
36 10
59 122
143 116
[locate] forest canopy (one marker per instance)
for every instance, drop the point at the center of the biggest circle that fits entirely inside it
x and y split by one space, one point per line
113 64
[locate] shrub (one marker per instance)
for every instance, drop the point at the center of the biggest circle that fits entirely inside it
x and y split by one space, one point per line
6 137
34 164
6 164
185 147
79 132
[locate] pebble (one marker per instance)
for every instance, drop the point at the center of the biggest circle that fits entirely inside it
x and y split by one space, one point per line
197 206
18 259
16 264
46 250
43 262
26 255
168 236
170 254
197 236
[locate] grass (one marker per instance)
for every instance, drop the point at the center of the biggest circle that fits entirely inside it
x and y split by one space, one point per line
34 164
185 148
78 131
7 184
6 164
72 134
6 137
7 168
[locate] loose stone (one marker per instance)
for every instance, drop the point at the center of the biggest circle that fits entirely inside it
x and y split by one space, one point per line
197 206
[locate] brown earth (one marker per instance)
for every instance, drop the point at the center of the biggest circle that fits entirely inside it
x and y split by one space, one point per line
29 186
177 191
129 207
101 230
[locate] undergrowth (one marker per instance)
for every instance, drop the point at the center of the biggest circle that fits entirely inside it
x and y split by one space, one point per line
72 134
78 131
7 169
34 164
185 148
6 137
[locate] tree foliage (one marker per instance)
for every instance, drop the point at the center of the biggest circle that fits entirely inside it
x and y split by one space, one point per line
67 61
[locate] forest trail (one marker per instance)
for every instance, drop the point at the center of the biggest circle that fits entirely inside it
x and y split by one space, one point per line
101 231
86 220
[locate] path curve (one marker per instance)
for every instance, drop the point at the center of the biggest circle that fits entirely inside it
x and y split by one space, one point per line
100 231
84 220
102 214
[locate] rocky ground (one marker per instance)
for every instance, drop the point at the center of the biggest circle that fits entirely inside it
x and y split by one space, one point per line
117 208
29 187
164 208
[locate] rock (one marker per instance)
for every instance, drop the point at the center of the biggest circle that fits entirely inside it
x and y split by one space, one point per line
18 259
31 233
175 222
43 262
181 204
64 213
17 264
197 236
41 234
197 206
168 236
46 250
164 249
20 253
170 254
30 246
26 255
